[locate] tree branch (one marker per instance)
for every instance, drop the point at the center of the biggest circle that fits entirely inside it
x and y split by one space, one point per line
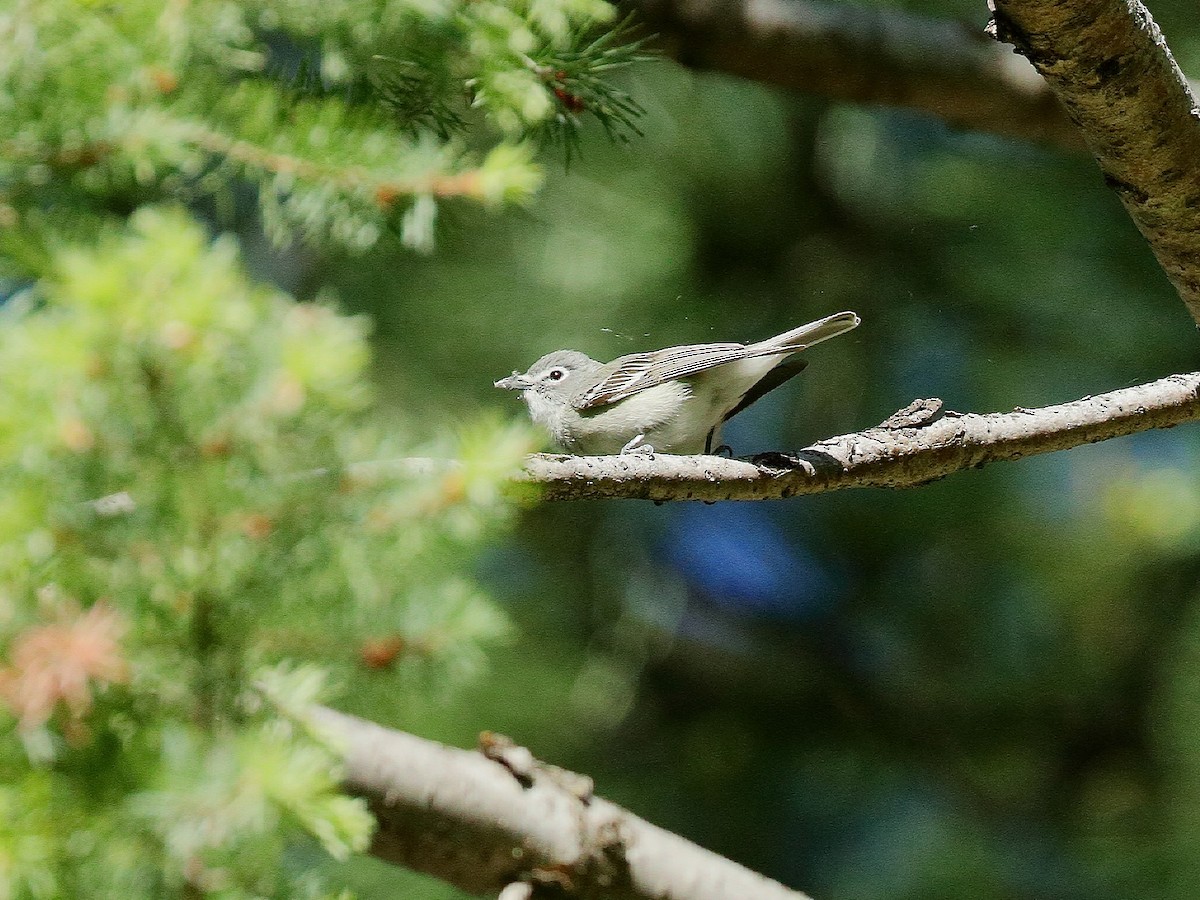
917 445
871 55
488 821
1108 63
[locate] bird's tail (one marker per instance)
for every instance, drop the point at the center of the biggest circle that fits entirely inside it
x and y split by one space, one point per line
806 335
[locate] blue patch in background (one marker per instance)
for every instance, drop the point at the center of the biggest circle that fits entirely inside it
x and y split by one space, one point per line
739 559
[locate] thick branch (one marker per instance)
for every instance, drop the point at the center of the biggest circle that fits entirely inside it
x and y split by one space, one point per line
482 822
895 454
864 54
1107 62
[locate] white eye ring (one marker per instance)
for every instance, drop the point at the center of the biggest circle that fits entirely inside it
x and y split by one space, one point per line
556 374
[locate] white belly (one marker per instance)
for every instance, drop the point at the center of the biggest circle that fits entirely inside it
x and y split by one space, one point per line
653 413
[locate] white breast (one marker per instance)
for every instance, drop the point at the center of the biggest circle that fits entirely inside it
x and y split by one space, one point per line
653 412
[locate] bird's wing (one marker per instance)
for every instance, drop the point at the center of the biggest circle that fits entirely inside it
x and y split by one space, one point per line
768 383
626 376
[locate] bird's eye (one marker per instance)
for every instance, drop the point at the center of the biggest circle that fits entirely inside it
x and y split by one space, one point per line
556 374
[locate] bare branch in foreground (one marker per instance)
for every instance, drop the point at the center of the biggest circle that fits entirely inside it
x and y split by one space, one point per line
901 452
1108 63
865 54
489 822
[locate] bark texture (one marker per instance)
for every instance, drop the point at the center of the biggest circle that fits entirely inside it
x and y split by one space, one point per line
1108 63
499 820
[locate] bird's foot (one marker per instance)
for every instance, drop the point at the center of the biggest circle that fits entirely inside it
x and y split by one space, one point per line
639 446
724 450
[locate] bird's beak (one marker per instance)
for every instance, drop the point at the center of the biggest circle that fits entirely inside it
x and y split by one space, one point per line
514 382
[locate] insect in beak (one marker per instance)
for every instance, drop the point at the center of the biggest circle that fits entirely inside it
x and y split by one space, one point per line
514 382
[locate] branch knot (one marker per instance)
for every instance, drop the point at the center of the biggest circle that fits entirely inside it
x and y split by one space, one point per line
917 414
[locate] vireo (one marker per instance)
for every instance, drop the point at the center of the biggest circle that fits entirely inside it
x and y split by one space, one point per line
666 401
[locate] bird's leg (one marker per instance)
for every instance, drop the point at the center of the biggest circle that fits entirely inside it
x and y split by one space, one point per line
724 450
638 445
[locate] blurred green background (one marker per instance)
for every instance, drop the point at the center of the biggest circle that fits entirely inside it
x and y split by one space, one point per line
981 688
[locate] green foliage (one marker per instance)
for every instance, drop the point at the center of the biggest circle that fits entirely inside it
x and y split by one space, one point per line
579 76
201 533
404 103
181 516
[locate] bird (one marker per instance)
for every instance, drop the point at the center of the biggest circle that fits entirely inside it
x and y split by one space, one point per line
671 401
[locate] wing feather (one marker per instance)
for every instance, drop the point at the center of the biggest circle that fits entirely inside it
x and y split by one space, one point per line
638 371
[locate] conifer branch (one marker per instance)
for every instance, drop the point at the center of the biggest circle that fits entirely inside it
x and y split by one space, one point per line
484 821
1109 64
579 77
351 179
918 445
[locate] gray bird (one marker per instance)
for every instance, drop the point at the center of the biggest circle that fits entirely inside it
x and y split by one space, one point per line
666 401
